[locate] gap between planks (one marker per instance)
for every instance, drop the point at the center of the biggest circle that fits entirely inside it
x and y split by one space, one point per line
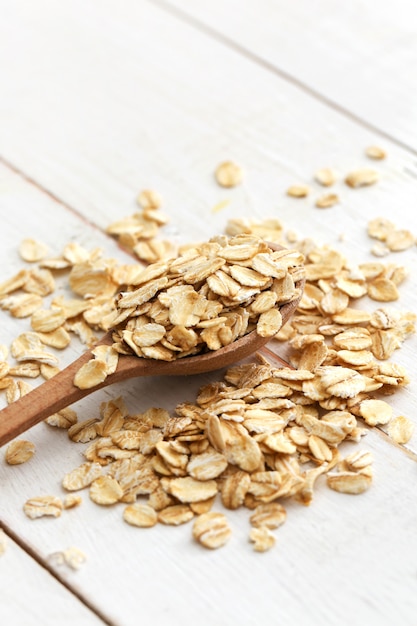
45 565
31 181
277 71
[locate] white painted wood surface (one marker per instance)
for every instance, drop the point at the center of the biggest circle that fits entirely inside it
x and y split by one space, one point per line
98 103
30 595
360 56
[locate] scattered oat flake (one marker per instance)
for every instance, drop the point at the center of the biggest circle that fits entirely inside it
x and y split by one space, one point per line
262 538
149 199
212 530
298 191
399 240
325 177
327 201
375 152
72 501
400 429
379 228
362 178
229 174
19 451
349 482
42 506
220 206
72 557
380 249
32 251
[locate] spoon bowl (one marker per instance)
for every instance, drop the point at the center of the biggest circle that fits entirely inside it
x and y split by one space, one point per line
59 392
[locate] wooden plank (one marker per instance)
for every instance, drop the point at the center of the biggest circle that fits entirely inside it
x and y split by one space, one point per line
359 57
30 594
127 108
346 558
133 118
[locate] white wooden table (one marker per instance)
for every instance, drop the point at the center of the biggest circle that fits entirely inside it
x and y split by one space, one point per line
99 100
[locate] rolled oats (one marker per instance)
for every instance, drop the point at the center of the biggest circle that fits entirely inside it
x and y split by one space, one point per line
72 557
298 191
19 451
212 530
375 412
400 429
383 290
327 201
262 538
229 174
91 374
72 501
63 419
361 178
349 482
261 434
105 490
375 152
204 506
83 431
175 515
22 305
271 515
207 465
42 506
325 177
398 240
32 251
141 515
189 489
234 489
81 476
149 199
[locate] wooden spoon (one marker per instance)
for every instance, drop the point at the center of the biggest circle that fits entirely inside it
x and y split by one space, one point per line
59 392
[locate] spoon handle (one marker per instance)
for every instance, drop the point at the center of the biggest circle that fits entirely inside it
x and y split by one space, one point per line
48 398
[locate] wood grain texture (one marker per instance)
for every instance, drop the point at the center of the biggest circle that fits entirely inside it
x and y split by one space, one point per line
359 57
30 594
100 103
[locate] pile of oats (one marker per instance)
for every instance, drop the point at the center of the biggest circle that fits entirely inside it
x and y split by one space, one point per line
260 436
255 439
204 299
